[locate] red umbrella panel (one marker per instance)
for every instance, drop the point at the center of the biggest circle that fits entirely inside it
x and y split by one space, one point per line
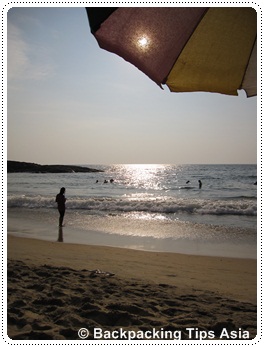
187 48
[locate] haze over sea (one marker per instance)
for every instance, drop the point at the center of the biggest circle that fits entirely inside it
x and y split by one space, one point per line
149 207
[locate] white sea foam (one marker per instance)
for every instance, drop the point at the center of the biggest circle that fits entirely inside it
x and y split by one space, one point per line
243 207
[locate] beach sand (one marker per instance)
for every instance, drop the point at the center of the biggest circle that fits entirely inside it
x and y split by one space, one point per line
53 292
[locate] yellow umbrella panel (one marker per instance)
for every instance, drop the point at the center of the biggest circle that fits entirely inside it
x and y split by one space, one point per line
217 54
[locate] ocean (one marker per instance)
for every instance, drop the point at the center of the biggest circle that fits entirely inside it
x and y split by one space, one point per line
145 207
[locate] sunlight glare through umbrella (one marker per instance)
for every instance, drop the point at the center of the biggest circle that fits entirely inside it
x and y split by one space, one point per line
143 42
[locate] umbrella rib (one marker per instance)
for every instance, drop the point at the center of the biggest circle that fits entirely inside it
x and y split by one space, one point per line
240 86
165 80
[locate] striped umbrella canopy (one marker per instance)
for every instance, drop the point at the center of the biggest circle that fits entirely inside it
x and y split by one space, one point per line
187 48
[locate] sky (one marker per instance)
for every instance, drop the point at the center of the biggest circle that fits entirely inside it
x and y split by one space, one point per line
71 102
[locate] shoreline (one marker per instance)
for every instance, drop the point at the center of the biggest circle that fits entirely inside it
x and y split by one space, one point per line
55 289
117 231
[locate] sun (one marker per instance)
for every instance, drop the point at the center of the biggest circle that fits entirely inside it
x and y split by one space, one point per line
143 42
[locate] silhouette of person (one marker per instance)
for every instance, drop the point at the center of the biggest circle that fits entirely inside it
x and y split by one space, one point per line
200 184
60 200
60 235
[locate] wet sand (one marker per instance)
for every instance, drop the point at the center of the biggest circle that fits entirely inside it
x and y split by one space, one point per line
54 290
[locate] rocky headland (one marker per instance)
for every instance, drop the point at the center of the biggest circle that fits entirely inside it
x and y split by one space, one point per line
18 166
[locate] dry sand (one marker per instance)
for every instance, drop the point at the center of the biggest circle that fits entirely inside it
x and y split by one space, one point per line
53 292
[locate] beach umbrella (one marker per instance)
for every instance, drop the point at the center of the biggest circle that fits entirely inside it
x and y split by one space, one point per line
187 48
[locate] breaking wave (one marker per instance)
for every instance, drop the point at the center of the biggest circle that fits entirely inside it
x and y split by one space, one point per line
164 205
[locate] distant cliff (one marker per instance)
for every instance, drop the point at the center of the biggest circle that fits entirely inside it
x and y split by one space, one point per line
18 166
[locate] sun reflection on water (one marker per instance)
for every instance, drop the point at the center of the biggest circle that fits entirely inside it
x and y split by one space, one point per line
145 216
145 176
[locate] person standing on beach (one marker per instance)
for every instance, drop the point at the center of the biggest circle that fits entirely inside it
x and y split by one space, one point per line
60 200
